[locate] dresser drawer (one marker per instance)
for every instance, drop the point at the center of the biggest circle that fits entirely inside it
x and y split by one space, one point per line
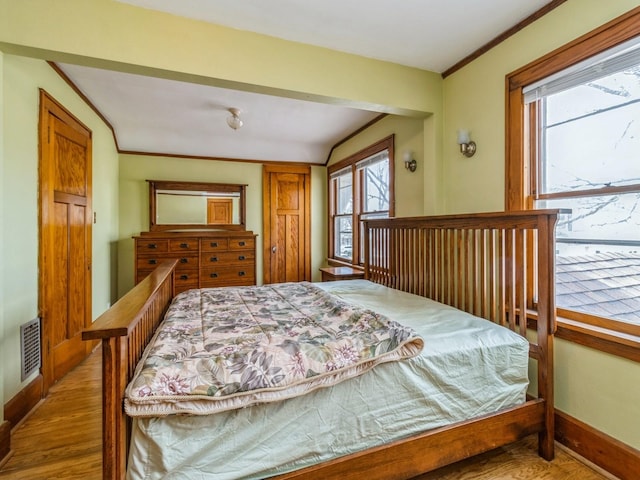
183 245
209 259
187 261
242 243
152 246
227 258
185 279
142 274
214 244
215 277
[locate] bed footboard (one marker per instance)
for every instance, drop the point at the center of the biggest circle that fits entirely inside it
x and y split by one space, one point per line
499 266
124 331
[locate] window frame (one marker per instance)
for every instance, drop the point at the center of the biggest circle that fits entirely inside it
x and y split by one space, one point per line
604 334
351 162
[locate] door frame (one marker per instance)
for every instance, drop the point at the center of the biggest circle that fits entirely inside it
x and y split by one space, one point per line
267 220
51 107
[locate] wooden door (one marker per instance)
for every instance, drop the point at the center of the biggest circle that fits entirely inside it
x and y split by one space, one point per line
65 239
287 223
219 211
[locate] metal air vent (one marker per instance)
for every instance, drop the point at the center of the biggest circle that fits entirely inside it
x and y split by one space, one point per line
30 355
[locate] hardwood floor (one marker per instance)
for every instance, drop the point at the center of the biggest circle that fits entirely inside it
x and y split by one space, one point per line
61 440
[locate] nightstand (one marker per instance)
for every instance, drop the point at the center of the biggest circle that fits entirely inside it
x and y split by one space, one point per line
331 274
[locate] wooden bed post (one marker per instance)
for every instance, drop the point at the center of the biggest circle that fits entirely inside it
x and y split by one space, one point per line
113 421
546 326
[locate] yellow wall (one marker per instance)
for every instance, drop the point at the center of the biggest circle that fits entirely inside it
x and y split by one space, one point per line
22 77
599 389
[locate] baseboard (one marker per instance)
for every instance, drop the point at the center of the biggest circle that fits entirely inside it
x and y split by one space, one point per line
24 401
5 441
608 453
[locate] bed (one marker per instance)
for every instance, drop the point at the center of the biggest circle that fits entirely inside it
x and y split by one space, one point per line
493 266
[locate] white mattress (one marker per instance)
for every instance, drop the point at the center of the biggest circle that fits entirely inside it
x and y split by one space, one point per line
469 367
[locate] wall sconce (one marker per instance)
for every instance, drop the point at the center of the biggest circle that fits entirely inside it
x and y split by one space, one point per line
410 162
467 146
234 120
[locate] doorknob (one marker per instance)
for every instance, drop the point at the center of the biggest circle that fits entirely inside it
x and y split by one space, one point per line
273 249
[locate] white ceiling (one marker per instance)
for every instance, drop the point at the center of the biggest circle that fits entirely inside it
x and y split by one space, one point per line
154 115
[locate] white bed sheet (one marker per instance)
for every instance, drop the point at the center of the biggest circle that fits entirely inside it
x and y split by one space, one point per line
469 367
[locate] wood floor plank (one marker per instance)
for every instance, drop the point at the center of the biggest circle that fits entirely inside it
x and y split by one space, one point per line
61 439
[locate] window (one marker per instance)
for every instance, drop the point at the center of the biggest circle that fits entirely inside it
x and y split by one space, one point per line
360 188
586 130
573 141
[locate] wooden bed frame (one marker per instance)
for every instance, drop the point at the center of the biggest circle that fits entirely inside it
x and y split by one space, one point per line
493 265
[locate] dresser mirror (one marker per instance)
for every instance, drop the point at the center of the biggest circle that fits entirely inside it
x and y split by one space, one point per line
196 205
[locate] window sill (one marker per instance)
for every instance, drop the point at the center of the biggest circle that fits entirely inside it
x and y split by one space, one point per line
342 263
605 340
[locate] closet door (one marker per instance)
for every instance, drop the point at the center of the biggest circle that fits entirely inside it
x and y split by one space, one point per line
65 239
286 223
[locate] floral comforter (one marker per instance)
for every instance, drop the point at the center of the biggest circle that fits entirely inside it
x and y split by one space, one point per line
224 348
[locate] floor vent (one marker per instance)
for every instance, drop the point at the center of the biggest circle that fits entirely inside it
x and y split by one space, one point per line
30 348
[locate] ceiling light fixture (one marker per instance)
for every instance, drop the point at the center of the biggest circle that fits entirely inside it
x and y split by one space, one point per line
234 120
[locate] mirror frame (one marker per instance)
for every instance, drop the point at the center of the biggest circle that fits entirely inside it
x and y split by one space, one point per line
155 185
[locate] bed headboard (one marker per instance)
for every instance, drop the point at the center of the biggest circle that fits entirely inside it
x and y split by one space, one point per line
493 265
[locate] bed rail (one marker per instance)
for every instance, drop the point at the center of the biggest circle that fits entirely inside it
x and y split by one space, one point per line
493 265
124 331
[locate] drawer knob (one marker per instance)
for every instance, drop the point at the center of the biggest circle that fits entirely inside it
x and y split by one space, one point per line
241 257
213 259
241 274
184 260
184 277
152 245
214 244
214 275
153 261
184 245
242 244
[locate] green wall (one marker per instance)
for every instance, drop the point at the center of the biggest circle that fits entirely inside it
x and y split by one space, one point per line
168 46
134 201
600 389
409 136
2 269
597 388
21 80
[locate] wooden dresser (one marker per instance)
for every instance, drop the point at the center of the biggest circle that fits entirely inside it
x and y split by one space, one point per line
205 259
